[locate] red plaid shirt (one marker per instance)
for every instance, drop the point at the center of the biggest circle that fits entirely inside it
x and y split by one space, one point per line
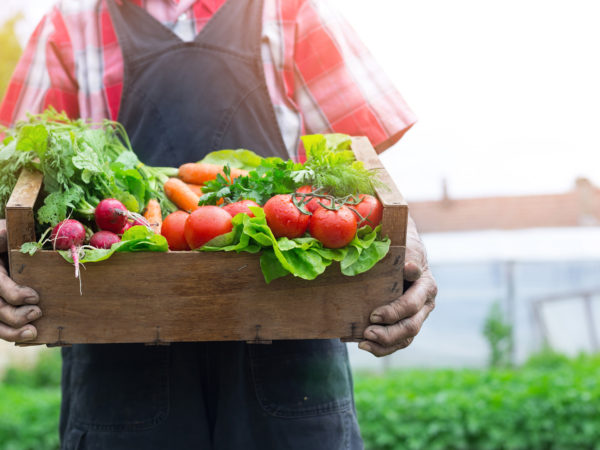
320 76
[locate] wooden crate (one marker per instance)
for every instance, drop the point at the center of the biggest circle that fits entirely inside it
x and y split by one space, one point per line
158 298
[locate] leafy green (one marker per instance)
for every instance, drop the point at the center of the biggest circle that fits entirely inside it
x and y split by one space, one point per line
303 257
136 239
330 167
240 159
82 163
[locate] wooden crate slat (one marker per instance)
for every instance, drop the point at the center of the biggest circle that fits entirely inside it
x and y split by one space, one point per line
19 208
187 296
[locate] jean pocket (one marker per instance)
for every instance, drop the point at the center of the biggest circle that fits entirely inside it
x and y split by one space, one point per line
301 378
119 387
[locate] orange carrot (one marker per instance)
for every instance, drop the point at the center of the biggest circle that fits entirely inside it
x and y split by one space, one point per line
196 189
153 215
200 173
180 194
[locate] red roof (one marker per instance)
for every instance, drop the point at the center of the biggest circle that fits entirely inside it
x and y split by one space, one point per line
579 207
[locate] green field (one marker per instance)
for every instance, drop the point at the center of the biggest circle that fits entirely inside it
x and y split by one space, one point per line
550 403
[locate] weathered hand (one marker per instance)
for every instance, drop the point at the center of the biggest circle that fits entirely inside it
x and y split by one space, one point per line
16 306
400 321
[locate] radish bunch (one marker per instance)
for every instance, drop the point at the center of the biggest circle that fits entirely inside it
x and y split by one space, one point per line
111 216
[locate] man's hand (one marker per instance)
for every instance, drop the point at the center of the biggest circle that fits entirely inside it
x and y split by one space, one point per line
16 306
400 321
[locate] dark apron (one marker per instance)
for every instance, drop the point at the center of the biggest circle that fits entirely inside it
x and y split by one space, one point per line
181 100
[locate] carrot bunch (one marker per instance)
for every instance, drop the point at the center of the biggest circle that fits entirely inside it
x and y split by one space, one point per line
186 190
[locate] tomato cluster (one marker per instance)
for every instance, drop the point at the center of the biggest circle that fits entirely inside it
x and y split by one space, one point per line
334 227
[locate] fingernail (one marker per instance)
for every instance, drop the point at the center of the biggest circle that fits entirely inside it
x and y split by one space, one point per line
33 314
364 346
376 318
27 335
371 335
31 300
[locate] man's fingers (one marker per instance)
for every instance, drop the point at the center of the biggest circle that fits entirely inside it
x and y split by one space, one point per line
412 271
26 333
396 334
20 316
423 290
380 350
3 239
14 293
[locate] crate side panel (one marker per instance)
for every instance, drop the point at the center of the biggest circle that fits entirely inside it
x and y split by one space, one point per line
186 296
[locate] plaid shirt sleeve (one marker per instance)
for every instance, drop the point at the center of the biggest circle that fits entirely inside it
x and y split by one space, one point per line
45 74
338 86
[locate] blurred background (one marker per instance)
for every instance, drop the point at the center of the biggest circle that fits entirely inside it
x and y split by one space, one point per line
502 176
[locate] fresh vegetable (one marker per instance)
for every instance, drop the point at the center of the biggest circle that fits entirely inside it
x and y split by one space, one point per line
206 223
69 235
303 257
243 206
173 228
104 239
180 194
82 163
334 228
313 198
196 189
111 215
200 173
370 211
153 215
284 218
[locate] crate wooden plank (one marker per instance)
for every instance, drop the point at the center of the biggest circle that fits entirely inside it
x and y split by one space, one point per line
395 208
19 208
191 296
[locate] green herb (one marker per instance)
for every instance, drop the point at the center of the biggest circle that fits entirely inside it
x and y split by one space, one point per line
82 163
330 167
303 257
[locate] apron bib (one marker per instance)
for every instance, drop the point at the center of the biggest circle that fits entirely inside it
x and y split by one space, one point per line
181 100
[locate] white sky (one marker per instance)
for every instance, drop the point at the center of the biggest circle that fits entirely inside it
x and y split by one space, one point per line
507 93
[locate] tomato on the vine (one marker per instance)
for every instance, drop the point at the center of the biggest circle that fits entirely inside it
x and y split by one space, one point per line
371 209
333 228
284 218
313 203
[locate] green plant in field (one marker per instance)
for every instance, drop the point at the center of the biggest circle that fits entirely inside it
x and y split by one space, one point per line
529 408
498 333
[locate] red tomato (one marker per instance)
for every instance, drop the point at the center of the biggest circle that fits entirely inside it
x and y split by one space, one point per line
283 218
335 229
240 207
313 203
206 223
371 209
172 229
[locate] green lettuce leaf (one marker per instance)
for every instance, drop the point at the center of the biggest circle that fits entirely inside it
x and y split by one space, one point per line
240 159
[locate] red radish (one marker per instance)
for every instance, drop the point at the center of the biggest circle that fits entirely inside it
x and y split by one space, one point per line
69 235
243 206
127 226
104 239
111 215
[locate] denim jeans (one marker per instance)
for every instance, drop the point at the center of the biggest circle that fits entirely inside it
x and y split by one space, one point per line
219 395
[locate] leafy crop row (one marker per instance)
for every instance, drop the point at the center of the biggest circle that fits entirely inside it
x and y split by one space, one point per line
551 403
